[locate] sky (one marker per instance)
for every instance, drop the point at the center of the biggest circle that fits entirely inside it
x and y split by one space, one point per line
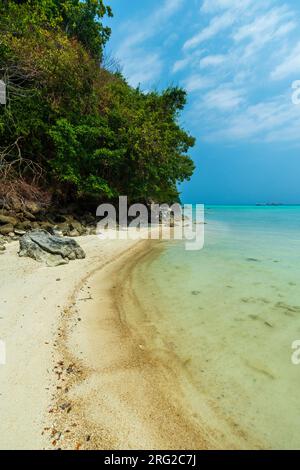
237 59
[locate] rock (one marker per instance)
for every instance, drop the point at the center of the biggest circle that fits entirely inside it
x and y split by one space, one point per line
59 219
24 226
50 218
89 218
33 207
56 232
6 229
6 219
28 215
63 227
44 247
2 248
19 232
16 204
78 227
74 233
46 226
92 231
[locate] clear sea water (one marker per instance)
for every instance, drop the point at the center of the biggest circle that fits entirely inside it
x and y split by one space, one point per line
231 312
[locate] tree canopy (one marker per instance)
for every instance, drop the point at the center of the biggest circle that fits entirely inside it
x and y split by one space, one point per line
71 125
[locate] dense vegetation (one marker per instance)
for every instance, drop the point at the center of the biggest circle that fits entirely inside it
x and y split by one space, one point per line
73 129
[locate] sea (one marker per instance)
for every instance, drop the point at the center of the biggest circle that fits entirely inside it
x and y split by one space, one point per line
230 312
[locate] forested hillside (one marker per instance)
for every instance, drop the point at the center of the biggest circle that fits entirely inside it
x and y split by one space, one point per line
71 128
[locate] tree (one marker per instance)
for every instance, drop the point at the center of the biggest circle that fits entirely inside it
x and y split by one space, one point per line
78 19
82 129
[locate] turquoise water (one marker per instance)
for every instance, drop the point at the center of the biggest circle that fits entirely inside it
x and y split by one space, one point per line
231 312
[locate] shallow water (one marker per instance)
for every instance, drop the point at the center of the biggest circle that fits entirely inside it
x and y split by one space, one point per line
231 312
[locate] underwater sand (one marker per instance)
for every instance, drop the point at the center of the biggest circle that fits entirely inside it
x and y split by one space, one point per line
229 314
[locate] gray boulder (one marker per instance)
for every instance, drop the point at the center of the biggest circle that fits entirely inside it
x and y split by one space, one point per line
52 250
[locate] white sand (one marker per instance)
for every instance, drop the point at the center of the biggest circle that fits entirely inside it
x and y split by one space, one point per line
32 304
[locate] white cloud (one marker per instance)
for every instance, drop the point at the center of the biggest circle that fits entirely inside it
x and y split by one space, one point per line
180 64
139 65
289 67
224 98
143 70
146 29
249 43
212 60
286 29
240 52
265 25
169 8
216 25
272 120
263 30
210 6
189 61
197 82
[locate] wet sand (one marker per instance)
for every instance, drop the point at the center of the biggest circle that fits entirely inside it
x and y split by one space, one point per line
120 385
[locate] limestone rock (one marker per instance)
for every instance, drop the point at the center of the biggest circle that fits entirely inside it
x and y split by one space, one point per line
33 207
74 233
78 227
6 219
63 227
19 232
28 215
44 247
24 225
47 226
6 229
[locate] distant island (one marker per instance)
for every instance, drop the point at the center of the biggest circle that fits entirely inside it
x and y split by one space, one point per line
269 204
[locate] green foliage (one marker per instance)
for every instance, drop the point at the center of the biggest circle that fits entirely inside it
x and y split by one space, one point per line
86 128
83 155
155 146
77 18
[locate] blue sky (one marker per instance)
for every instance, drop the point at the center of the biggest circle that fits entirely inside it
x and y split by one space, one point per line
237 59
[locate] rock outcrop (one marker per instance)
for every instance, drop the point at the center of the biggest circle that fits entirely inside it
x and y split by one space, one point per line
13 224
52 250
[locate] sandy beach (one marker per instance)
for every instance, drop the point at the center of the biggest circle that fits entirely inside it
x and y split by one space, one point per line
79 373
76 376
35 301
123 395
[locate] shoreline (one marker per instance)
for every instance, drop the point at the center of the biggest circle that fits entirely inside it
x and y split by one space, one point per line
120 393
90 371
124 392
